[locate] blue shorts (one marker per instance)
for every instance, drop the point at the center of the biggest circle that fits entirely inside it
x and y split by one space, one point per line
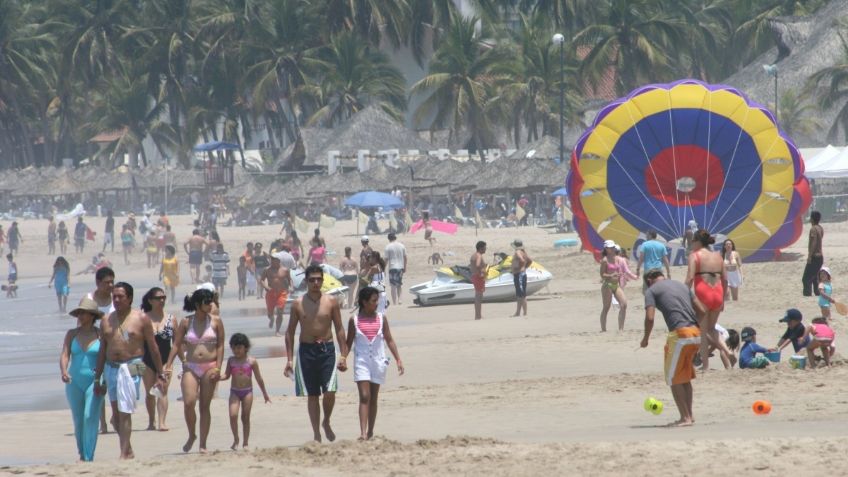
798 344
520 282
315 371
396 276
111 374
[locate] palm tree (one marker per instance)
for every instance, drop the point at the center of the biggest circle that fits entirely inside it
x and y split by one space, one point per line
123 103
24 62
373 20
754 30
796 115
166 42
427 19
529 100
462 79
90 33
280 58
637 39
354 76
834 81
707 28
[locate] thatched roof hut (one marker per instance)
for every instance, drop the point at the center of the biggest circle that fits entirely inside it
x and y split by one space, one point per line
310 141
521 175
370 129
546 147
808 44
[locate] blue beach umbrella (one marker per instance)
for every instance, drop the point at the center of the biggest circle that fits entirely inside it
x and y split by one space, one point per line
216 146
373 199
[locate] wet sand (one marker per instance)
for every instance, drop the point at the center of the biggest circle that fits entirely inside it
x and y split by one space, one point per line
520 396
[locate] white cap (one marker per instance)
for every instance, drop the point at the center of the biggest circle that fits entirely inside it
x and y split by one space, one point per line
609 243
364 238
206 286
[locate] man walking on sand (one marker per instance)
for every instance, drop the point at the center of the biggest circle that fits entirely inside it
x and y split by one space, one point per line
316 314
815 257
109 232
396 257
653 255
194 247
276 281
124 335
479 270
683 342
520 262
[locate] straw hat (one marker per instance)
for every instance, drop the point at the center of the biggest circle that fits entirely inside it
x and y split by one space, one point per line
88 305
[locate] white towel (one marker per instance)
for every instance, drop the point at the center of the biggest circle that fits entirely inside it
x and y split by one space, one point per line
126 389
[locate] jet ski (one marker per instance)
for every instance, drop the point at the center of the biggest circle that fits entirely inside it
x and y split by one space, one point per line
452 285
330 286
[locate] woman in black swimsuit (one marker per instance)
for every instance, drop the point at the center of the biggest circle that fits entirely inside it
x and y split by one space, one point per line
153 304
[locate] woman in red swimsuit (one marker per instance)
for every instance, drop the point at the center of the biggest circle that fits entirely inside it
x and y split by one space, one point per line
708 279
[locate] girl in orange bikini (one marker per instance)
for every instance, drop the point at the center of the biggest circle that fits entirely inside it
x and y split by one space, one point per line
708 279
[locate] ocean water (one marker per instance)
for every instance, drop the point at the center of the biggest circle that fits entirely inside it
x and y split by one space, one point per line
32 331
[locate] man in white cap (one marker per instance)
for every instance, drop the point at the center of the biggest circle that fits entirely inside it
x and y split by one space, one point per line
520 262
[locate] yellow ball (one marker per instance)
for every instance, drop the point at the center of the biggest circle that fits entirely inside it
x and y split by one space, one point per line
653 405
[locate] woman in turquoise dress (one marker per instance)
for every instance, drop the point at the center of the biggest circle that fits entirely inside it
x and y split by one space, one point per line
61 280
77 363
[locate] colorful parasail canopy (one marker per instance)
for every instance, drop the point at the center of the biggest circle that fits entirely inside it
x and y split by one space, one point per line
671 156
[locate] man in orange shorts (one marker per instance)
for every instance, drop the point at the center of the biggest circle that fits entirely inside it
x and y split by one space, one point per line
276 280
479 270
674 300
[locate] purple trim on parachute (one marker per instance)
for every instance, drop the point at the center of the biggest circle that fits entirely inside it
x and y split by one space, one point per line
786 235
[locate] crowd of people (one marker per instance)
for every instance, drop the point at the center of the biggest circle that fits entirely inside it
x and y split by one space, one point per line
691 309
116 347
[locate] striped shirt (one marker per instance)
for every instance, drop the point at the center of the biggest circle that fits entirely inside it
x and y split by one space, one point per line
369 326
219 264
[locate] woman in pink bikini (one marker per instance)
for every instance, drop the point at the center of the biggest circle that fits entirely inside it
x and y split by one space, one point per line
202 333
708 279
368 333
614 273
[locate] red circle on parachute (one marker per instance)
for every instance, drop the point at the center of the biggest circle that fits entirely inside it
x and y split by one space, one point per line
676 162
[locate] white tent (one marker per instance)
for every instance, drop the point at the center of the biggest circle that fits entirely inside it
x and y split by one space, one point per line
813 158
834 167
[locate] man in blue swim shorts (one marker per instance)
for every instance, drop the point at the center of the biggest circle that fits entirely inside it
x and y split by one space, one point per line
317 314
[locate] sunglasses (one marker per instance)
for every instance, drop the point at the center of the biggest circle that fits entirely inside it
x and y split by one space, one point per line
158 298
315 279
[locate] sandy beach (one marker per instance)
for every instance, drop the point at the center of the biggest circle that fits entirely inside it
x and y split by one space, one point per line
546 394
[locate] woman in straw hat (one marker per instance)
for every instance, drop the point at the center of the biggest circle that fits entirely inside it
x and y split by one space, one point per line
77 363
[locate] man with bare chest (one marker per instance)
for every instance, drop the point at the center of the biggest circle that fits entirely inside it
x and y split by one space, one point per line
195 249
317 314
276 281
124 333
479 270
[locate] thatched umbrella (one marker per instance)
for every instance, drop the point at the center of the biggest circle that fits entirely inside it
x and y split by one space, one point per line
520 175
371 129
809 44
295 155
545 147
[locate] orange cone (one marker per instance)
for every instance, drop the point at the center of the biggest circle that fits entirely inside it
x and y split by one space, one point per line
761 407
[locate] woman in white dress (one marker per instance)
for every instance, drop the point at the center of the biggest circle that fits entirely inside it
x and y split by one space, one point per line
374 274
733 267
